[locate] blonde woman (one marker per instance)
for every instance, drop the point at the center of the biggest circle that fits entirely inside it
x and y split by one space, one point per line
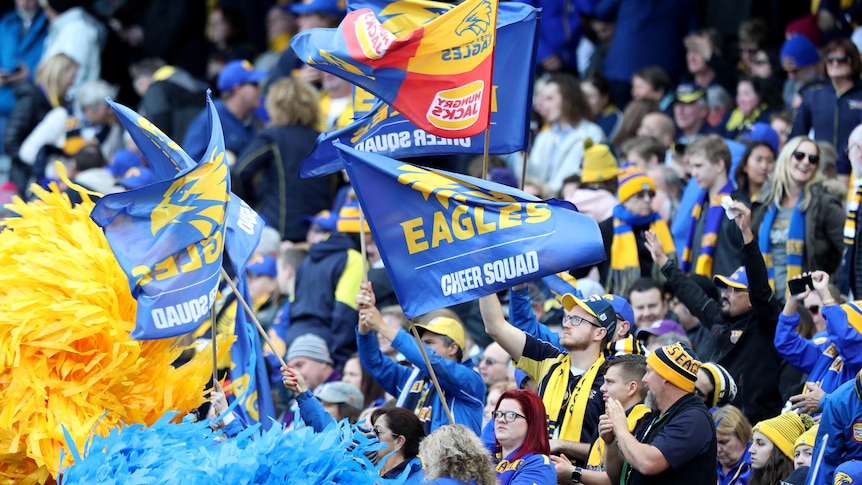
799 223
267 174
35 101
454 455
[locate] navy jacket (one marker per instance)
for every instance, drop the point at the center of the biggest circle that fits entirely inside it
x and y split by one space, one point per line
830 116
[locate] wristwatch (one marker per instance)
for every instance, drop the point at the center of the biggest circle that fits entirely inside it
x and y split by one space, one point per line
576 474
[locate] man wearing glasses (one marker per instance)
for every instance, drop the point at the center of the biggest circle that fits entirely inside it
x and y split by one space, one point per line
742 322
570 380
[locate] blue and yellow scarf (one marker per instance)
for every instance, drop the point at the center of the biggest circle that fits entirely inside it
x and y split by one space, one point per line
795 242
703 264
625 263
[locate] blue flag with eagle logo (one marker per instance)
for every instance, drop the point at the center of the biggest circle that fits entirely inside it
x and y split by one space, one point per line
447 238
169 237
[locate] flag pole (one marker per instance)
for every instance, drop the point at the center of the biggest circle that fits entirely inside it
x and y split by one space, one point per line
214 338
485 153
363 247
253 317
433 374
524 170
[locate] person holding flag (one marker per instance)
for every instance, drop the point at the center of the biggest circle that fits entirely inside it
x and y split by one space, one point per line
444 342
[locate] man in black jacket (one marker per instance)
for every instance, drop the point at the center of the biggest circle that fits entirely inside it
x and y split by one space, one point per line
742 324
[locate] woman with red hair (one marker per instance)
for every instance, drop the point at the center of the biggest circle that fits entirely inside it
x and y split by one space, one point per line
521 429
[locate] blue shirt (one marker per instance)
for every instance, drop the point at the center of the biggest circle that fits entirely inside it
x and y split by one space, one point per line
237 133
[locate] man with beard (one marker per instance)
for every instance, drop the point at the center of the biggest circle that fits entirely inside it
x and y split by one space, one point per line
675 443
569 381
742 324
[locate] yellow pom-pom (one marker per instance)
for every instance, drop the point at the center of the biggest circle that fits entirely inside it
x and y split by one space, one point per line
66 358
588 142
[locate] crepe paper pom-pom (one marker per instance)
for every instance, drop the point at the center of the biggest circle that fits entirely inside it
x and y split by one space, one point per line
189 452
66 357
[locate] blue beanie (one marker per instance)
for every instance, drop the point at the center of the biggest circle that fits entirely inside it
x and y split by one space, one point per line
798 52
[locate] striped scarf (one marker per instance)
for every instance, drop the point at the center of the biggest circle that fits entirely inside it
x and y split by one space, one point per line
703 264
625 261
566 419
850 222
795 243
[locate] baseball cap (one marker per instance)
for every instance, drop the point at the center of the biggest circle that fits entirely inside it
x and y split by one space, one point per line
848 472
262 265
762 132
340 392
737 280
621 307
798 52
235 73
123 161
688 93
446 326
660 327
137 177
595 306
324 219
335 8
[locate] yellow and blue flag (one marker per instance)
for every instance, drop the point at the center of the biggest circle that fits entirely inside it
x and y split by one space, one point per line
381 129
438 75
448 238
242 232
168 237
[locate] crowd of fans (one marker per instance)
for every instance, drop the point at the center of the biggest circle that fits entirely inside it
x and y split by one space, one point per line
717 145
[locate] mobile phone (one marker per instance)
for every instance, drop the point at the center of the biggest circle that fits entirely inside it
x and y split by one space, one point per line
797 286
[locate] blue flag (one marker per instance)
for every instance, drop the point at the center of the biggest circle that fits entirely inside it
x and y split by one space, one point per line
169 237
383 130
447 238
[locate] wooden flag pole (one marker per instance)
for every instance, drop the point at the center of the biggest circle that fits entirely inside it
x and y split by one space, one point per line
253 317
214 338
433 374
412 327
524 170
485 153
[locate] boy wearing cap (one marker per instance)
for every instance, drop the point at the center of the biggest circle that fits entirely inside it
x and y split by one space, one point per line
676 442
239 84
569 381
742 322
444 341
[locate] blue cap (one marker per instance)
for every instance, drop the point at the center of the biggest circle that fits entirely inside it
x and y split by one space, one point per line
520 377
235 73
137 177
798 52
262 265
335 8
848 472
325 219
737 280
621 307
123 161
761 131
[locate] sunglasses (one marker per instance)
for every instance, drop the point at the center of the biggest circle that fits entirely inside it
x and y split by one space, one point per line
812 158
814 309
644 194
837 59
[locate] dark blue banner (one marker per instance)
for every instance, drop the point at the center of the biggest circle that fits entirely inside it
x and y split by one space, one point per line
447 238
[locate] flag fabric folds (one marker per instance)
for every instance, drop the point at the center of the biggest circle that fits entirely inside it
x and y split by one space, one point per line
447 238
437 75
168 237
381 129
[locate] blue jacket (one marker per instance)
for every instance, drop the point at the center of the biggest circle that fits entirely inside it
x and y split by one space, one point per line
15 50
842 421
530 469
740 474
463 386
831 116
522 317
237 133
560 29
327 282
830 363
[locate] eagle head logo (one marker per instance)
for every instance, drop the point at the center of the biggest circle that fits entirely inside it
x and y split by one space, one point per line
478 21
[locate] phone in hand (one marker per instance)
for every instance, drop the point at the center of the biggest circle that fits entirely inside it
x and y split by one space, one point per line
797 285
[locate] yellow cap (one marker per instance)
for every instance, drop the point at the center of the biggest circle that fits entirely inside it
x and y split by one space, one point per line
446 326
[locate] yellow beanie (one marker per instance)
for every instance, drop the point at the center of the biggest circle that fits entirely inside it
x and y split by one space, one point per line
784 429
674 363
348 219
633 181
807 438
599 163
